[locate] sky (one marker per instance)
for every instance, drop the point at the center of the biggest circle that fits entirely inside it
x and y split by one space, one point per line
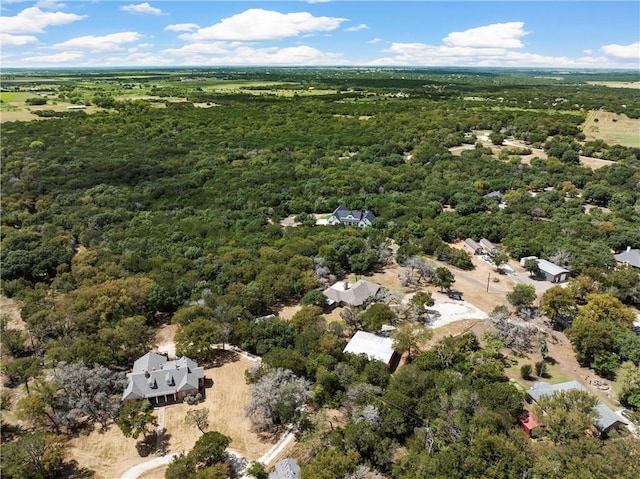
169 33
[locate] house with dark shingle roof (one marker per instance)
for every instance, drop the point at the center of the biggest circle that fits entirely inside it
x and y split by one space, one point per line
629 256
342 215
606 418
161 381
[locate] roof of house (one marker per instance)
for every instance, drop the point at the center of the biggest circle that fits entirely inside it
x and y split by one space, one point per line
154 375
353 294
630 256
487 244
494 194
473 244
606 417
549 267
344 214
530 421
286 469
374 346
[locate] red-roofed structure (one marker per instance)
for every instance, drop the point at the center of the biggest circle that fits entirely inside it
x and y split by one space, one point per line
529 422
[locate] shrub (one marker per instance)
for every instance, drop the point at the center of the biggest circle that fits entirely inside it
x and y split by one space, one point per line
541 369
525 371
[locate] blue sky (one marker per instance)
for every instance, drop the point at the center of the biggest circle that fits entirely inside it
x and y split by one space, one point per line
574 34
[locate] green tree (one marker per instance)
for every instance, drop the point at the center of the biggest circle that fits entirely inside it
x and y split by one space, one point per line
136 418
22 370
498 258
198 418
557 302
444 278
589 338
314 298
531 265
197 339
34 456
331 463
411 338
522 296
375 316
567 414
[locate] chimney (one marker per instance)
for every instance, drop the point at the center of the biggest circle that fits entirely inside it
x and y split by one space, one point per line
628 248
146 374
346 285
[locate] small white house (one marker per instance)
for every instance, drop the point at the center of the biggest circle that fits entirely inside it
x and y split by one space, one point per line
375 347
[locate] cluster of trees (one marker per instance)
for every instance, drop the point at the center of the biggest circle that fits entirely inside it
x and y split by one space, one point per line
453 414
180 217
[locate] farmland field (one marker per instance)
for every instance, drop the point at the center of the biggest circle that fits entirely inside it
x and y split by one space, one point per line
613 128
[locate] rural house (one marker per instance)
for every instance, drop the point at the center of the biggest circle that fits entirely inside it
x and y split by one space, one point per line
161 381
472 246
606 418
375 347
343 293
351 217
629 256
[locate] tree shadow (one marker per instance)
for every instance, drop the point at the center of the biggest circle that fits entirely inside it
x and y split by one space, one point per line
550 359
71 470
8 431
149 443
224 356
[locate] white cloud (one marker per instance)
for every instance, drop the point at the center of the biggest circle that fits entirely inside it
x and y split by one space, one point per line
622 51
373 41
182 27
142 9
362 26
50 4
110 42
6 39
210 48
136 59
588 52
34 20
419 54
318 1
62 57
498 35
236 53
257 24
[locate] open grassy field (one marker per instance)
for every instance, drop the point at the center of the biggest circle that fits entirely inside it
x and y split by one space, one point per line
616 84
612 128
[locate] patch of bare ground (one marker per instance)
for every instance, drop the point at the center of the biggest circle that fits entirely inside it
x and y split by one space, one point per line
11 310
109 453
163 339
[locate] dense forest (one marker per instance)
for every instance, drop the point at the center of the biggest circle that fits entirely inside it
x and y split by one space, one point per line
152 211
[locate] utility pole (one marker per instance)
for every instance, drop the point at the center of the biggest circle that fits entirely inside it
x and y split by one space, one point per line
488 276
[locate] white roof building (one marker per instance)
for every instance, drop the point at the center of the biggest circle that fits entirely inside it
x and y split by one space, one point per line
374 346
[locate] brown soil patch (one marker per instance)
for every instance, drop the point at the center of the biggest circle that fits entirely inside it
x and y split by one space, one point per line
164 339
287 312
10 309
110 453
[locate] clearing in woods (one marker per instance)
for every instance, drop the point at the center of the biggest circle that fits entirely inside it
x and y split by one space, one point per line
109 453
612 128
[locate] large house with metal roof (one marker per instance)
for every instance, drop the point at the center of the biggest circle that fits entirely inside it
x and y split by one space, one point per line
342 215
606 418
161 381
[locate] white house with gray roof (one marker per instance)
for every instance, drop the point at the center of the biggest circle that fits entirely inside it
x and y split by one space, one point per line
342 215
606 418
161 381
